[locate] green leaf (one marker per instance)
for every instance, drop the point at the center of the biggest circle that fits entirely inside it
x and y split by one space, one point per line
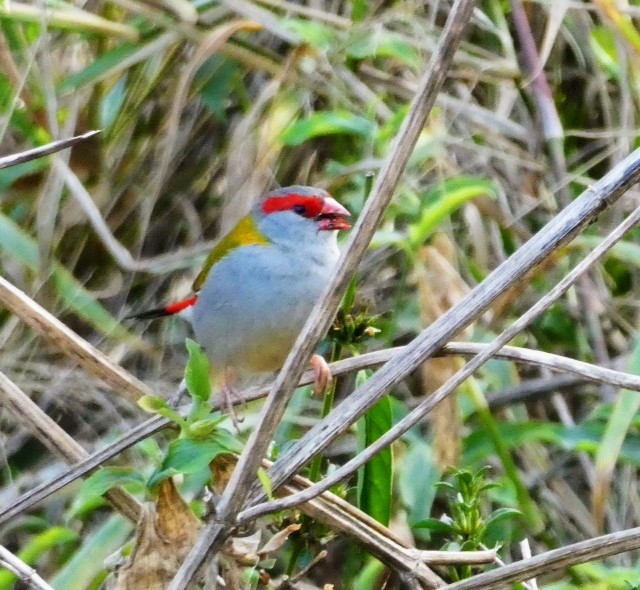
112 103
375 478
188 455
443 201
88 562
219 75
152 403
36 547
227 440
263 476
155 404
197 372
102 64
365 44
313 33
434 525
359 10
502 514
9 175
417 478
624 411
624 251
369 575
603 44
327 123
204 428
108 477
477 446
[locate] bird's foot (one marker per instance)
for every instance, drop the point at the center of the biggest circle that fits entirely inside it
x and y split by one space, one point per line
230 394
322 373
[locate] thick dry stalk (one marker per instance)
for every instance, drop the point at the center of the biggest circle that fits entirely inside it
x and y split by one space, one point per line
552 561
214 534
66 340
57 440
342 517
584 372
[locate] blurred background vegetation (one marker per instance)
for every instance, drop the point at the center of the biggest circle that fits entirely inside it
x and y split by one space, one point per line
204 105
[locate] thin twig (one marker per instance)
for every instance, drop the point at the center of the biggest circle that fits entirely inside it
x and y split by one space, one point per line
534 388
525 548
26 574
456 557
584 372
378 540
44 150
553 560
214 534
546 242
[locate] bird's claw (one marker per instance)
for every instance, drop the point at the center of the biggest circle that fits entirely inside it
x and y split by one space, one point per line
231 394
322 373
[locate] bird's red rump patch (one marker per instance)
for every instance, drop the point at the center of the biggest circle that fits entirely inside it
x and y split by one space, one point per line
312 205
180 305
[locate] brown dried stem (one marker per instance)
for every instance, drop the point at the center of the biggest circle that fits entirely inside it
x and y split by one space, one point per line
57 440
67 341
553 560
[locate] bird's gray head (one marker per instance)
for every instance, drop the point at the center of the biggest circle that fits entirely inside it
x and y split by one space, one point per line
299 213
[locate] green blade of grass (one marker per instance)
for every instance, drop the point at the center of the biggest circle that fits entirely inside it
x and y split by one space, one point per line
376 477
622 417
70 18
444 200
88 562
37 546
532 514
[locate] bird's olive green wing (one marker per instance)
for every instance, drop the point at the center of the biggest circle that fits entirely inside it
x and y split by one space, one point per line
245 233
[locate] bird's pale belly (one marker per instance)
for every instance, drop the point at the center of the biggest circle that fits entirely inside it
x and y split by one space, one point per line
250 342
250 323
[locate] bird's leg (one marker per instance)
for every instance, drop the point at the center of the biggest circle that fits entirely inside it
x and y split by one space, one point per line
322 373
229 394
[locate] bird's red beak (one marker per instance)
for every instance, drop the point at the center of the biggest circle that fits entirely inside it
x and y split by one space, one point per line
332 215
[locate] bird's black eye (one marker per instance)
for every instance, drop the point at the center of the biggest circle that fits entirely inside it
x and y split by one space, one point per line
300 209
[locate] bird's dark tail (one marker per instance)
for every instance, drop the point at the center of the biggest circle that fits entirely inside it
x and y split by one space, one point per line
161 312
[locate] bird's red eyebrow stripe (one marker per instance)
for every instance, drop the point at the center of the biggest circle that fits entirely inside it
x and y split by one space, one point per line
312 205
180 305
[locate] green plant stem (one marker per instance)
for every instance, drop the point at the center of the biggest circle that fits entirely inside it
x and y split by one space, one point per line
315 468
526 503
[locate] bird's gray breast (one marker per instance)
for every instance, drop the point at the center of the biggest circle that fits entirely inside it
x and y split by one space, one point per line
254 303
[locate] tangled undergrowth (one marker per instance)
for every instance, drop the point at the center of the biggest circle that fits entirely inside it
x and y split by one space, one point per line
205 105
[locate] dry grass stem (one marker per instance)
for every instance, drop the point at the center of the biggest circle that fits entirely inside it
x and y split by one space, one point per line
583 371
68 342
44 150
558 232
57 440
553 561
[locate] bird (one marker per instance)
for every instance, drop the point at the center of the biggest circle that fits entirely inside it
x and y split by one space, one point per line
259 284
